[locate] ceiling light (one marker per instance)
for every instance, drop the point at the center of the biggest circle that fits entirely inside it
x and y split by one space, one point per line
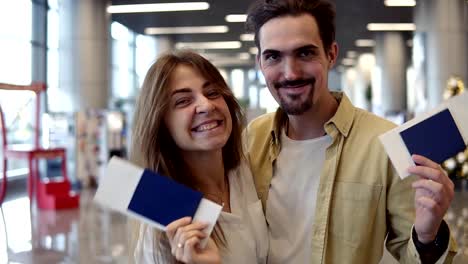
351 54
400 2
347 62
209 45
365 43
185 30
253 50
243 56
218 56
229 62
236 18
163 7
247 37
391 26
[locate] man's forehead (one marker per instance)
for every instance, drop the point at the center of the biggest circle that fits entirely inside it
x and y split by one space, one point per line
289 33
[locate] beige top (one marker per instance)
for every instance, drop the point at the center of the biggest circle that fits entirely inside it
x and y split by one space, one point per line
244 228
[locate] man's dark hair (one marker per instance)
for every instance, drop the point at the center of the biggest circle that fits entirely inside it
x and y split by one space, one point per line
261 11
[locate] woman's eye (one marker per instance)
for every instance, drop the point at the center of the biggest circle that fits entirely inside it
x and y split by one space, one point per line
182 102
213 94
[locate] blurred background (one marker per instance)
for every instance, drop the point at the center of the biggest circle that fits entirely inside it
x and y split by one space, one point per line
398 58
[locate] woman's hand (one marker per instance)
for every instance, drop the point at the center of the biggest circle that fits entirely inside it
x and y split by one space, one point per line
185 237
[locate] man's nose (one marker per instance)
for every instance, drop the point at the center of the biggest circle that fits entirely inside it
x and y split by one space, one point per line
291 69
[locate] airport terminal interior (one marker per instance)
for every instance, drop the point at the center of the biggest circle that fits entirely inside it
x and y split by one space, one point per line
71 72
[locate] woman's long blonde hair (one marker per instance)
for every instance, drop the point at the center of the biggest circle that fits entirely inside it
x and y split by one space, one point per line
153 146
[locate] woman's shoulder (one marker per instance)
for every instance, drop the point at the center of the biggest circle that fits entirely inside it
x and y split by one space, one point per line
242 179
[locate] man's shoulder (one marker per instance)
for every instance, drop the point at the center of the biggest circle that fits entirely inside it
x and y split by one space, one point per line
264 123
371 122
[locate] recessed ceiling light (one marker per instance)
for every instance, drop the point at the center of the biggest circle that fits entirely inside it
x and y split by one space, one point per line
347 62
185 30
253 50
209 45
216 56
243 56
247 37
400 2
351 54
236 18
365 43
162 7
391 26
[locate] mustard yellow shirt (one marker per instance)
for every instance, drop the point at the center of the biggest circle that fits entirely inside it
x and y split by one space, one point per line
360 198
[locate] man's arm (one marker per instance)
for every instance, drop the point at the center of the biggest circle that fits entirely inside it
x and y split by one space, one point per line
402 215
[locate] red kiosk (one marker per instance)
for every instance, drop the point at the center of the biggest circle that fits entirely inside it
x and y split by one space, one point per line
50 195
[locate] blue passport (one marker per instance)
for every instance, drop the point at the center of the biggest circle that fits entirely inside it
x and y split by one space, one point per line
436 138
162 199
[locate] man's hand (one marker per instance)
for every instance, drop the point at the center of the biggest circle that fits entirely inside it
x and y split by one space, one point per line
434 193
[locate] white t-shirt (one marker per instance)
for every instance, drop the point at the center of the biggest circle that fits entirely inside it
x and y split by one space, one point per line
244 228
292 198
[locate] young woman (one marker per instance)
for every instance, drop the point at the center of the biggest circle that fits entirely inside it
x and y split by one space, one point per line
188 127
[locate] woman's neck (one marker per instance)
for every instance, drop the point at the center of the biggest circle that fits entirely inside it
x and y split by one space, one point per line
207 169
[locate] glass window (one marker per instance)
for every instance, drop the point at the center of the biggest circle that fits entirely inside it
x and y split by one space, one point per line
15 63
123 62
267 101
145 55
15 68
120 32
237 81
18 13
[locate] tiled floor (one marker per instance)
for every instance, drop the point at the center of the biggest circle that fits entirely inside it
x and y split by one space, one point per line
87 235
94 235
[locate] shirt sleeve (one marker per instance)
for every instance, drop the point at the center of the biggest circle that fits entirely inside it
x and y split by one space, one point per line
145 252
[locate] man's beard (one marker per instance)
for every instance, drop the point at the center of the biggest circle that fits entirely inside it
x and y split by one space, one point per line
296 107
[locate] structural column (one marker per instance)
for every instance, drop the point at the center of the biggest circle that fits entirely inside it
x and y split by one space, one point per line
84 54
163 45
442 25
390 58
39 43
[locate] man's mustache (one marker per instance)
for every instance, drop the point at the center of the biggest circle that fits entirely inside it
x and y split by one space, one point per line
294 83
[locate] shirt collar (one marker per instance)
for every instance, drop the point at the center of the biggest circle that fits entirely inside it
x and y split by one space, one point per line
342 120
344 115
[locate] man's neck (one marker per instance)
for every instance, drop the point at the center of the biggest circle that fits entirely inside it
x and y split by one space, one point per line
311 124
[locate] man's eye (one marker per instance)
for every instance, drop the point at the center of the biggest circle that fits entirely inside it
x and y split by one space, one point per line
271 57
306 53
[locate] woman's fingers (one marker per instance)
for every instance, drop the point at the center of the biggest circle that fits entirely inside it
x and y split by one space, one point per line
180 231
172 227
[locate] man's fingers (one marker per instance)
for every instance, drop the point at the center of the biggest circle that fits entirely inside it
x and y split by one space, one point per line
423 161
428 173
428 204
